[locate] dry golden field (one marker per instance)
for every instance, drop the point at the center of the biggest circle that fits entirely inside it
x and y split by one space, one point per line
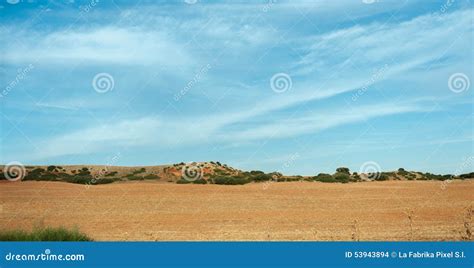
147 210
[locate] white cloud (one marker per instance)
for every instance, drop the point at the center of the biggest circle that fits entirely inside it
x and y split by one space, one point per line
128 46
319 121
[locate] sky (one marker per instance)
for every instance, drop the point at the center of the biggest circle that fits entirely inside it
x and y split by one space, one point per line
299 87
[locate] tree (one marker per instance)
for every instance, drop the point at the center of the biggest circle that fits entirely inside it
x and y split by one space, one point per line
343 170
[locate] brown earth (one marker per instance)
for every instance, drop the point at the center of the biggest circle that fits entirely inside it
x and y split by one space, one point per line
147 210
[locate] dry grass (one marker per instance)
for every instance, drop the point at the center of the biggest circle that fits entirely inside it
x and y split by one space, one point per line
389 210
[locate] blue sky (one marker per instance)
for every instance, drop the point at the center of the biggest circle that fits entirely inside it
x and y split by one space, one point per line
297 87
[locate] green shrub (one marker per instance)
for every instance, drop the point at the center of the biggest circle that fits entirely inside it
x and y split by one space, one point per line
51 168
467 175
138 171
34 175
44 234
356 177
343 170
102 181
342 177
134 178
151 177
260 177
200 181
182 181
84 172
79 179
381 176
230 180
292 178
111 174
49 177
323 177
402 172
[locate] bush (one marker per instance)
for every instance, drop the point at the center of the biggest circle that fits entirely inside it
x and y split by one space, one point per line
380 176
111 174
35 174
151 177
79 179
402 172
138 171
200 181
342 177
356 176
343 170
430 176
44 234
467 175
51 168
102 181
231 180
48 177
260 177
84 172
134 178
182 181
323 177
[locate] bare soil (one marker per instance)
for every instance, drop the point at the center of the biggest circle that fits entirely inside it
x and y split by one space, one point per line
147 210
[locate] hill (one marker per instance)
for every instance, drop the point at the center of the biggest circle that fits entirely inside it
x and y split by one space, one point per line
197 173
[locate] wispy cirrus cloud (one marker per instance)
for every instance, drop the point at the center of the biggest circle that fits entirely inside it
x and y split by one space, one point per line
101 45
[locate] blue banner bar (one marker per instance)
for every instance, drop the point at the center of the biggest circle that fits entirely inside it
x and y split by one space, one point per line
236 254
